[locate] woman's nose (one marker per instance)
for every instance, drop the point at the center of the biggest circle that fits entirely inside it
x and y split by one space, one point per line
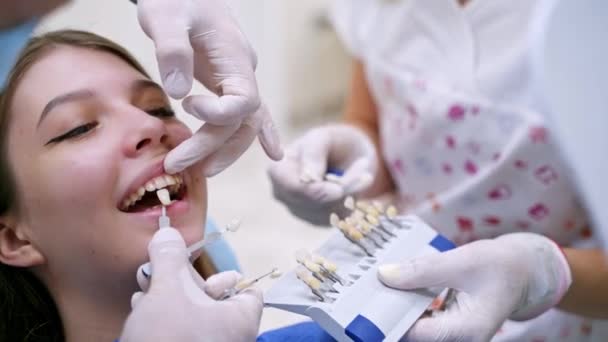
145 132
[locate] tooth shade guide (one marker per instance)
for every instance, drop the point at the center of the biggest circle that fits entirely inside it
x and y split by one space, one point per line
302 255
364 294
391 211
355 234
311 266
378 206
164 197
330 266
334 219
243 284
233 226
373 220
349 203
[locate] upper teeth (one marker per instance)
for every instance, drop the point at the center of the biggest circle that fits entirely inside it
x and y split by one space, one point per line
153 185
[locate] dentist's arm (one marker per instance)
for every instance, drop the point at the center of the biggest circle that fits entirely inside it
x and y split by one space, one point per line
360 110
200 39
587 295
179 305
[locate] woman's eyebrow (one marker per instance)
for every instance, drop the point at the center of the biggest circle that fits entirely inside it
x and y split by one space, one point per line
77 95
140 85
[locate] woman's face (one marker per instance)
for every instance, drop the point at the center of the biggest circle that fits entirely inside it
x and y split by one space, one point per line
87 138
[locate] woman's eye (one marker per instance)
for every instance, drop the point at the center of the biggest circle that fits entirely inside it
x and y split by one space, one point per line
161 112
78 131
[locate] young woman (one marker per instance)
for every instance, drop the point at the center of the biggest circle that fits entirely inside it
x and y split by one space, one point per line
83 135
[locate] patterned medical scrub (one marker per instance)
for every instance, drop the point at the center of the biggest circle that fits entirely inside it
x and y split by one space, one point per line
462 132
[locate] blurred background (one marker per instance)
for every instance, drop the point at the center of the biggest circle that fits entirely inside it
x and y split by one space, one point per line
302 73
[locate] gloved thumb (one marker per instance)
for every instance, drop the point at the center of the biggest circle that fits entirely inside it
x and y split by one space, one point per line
164 23
436 270
136 298
168 254
218 283
358 176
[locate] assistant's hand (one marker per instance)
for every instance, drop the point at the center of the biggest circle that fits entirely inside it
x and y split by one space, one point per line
298 180
516 276
201 39
180 306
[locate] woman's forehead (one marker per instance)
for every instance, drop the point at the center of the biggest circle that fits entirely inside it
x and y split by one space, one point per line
66 69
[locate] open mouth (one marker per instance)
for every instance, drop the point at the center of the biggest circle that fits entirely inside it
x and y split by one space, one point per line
145 197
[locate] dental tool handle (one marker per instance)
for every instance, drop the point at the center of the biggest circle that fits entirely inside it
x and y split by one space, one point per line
164 221
146 268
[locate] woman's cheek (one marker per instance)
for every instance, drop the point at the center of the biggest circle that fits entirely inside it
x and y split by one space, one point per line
83 176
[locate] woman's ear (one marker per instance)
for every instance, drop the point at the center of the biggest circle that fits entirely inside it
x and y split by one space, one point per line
15 247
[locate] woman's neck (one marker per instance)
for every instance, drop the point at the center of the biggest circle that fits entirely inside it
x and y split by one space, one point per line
93 314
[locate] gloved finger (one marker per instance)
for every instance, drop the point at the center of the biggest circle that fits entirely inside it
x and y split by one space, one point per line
431 329
269 136
143 278
172 42
227 109
247 306
358 176
455 325
234 147
208 139
288 186
197 278
135 299
217 284
249 301
448 269
313 157
168 255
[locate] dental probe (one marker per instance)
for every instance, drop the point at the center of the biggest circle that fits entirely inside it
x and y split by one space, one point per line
246 283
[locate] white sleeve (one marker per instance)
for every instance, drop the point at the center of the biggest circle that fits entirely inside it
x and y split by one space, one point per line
354 21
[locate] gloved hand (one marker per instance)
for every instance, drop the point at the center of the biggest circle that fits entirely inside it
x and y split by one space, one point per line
516 276
298 180
200 39
180 306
